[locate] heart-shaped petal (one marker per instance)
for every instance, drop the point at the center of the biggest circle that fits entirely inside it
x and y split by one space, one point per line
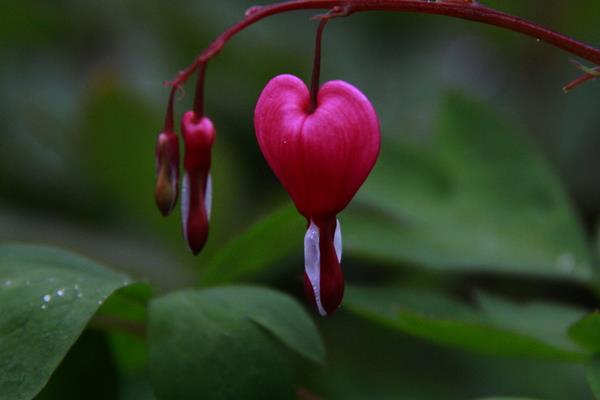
321 157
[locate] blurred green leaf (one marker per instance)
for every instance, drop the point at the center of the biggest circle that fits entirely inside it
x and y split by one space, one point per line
213 343
265 243
135 387
476 196
364 361
593 376
445 321
130 352
545 321
129 348
87 372
507 398
48 296
586 332
129 303
597 241
121 131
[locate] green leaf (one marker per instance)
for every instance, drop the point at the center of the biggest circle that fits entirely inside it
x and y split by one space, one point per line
586 332
445 321
507 398
116 121
129 303
593 376
47 297
128 345
475 196
597 239
218 343
364 360
548 322
78 378
265 243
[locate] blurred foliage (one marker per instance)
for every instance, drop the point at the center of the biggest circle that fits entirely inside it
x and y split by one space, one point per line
586 332
475 195
499 328
472 249
217 333
593 374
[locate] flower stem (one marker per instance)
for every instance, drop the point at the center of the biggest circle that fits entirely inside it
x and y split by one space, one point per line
169 125
316 74
199 95
579 81
468 11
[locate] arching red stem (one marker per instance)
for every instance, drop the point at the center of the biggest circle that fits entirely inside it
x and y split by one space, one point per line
468 11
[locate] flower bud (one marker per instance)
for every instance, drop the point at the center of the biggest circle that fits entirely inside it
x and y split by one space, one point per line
198 136
167 172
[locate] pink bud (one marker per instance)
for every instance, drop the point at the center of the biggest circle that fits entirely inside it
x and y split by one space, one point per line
321 158
167 172
198 136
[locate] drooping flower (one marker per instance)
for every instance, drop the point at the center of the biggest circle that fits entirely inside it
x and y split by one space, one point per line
167 172
321 157
198 135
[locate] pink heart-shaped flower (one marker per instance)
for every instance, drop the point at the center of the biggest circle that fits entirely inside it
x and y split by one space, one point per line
321 157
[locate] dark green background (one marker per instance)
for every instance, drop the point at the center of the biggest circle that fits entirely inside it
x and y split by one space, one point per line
82 100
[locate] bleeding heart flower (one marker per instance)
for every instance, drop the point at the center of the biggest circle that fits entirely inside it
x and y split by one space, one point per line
198 136
167 172
321 157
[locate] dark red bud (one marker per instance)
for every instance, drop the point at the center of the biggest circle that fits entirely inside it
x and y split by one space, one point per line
198 136
167 172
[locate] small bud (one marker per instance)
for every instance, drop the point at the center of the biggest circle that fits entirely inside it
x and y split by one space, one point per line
198 136
167 172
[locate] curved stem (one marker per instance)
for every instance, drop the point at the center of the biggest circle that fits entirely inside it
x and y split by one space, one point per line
316 74
579 81
468 11
169 125
199 95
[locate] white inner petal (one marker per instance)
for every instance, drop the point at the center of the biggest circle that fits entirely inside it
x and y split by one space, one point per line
208 197
185 204
337 240
312 263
